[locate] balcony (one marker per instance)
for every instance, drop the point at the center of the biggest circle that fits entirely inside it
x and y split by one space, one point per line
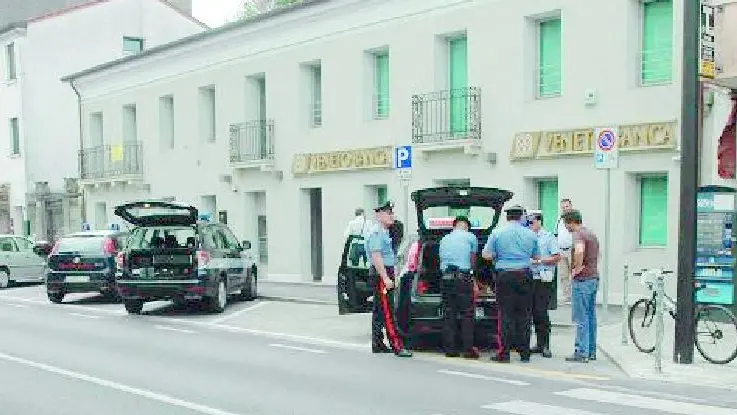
111 163
447 120
252 145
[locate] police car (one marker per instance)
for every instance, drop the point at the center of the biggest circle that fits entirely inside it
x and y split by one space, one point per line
174 255
419 306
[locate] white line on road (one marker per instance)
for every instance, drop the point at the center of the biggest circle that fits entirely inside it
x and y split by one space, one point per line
117 386
18 305
524 408
84 315
643 402
483 377
239 312
78 307
302 349
167 328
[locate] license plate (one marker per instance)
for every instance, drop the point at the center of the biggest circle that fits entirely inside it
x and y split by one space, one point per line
480 312
77 278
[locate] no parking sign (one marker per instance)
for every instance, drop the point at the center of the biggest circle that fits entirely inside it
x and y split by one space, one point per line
606 154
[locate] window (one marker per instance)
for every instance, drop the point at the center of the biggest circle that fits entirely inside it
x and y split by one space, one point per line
381 85
207 113
132 45
14 136
549 59
24 245
316 92
657 42
547 197
382 195
458 54
130 124
263 240
166 121
96 129
10 65
7 245
653 210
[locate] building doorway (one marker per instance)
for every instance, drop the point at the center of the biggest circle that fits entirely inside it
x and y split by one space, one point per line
316 249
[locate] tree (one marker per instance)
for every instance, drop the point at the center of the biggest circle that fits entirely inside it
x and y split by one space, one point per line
252 8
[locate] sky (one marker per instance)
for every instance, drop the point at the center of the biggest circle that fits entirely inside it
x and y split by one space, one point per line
215 12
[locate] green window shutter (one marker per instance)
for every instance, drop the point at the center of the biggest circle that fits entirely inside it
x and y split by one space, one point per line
547 195
657 42
550 58
458 85
653 211
381 98
14 136
381 195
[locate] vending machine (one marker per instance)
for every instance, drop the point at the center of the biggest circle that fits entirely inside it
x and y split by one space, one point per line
715 245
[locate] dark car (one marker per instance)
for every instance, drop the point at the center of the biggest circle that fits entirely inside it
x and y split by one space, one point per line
419 306
172 255
84 262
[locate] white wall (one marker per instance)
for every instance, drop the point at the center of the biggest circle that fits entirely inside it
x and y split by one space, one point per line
502 46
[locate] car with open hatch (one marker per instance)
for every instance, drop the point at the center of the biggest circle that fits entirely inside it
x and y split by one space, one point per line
419 306
174 255
84 262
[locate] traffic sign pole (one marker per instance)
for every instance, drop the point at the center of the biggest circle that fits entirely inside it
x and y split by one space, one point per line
403 167
606 157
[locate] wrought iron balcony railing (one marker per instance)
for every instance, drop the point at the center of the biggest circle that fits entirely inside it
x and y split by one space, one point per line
252 141
111 161
446 116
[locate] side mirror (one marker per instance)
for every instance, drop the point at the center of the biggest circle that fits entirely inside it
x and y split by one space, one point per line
246 245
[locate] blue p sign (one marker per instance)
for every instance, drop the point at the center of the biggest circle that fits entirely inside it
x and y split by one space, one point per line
403 157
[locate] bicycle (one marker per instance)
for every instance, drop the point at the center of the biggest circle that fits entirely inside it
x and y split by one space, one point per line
642 314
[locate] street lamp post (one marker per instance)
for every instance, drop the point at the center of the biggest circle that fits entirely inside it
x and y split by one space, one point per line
685 330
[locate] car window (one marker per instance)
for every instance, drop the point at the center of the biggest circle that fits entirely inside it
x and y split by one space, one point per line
92 244
24 245
357 256
220 241
162 237
121 240
230 239
7 245
210 239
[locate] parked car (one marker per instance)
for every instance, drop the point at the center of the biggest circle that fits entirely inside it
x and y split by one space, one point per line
172 255
19 262
419 304
84 262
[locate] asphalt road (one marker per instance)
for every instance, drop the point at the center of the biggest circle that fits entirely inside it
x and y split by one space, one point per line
91 358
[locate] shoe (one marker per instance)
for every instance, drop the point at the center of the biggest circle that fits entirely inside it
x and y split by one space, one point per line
452 354
524 359
380 348
404 353
592 357
546 353
472 354
500 358
536 350
577 359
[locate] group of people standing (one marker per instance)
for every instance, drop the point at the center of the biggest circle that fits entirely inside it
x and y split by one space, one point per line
525 256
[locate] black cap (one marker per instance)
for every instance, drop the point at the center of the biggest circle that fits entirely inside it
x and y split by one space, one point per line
515 209
388 206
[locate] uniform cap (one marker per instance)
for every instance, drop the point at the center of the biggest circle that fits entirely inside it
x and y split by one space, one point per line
515 209
387 206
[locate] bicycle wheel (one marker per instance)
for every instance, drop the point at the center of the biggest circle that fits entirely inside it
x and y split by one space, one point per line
641 324
716 326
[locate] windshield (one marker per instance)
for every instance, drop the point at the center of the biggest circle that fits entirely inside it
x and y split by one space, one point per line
441 217
81 244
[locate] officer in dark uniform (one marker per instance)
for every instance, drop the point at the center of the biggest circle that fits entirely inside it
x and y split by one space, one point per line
512 249
381 252
458 251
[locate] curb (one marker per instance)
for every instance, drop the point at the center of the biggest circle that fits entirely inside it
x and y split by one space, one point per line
614 361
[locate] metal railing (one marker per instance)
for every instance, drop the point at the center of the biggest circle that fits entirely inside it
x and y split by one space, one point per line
111 161
252 141
316 112
446 116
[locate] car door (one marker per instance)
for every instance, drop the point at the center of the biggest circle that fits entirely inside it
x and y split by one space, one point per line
33 264
10 257
236 266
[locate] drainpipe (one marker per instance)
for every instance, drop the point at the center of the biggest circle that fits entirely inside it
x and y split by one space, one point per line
83 204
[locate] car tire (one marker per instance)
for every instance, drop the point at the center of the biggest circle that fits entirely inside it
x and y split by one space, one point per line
250 291
55 298
217 303
133 306
5 281
113 296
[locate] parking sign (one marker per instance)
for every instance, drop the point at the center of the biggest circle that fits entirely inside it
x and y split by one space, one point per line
606 154
403 157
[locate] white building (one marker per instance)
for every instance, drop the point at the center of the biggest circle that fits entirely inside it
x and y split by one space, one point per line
39 127
286 123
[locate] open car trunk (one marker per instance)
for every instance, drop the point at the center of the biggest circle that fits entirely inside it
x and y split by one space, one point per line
162 263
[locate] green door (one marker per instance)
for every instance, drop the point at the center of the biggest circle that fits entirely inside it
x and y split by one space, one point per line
547 194
458 86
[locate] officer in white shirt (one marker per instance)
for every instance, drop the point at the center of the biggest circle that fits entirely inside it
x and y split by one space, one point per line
357 227
565 242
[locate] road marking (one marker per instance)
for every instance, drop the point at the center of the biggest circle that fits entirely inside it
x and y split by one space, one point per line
643 402
167 328
524 408
84 315
302 349
239 312
293 337
483 377
116 386
18 305
78 307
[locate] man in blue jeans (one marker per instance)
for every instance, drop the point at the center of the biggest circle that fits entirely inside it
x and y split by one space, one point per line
585 283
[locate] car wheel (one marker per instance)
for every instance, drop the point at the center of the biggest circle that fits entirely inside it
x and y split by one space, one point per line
133 306
5 281
250 291
55 298
218 302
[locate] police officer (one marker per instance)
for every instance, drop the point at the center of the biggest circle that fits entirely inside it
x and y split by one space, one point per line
511 249
458 251
381 252
543 272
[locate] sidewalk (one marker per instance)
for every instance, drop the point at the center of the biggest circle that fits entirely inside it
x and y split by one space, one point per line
640 365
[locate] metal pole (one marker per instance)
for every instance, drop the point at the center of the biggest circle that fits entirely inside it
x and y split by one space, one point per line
607 225
689 180
625 305
405 200
660 299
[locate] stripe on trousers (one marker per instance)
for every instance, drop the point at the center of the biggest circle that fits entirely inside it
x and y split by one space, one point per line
391 332
500 344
